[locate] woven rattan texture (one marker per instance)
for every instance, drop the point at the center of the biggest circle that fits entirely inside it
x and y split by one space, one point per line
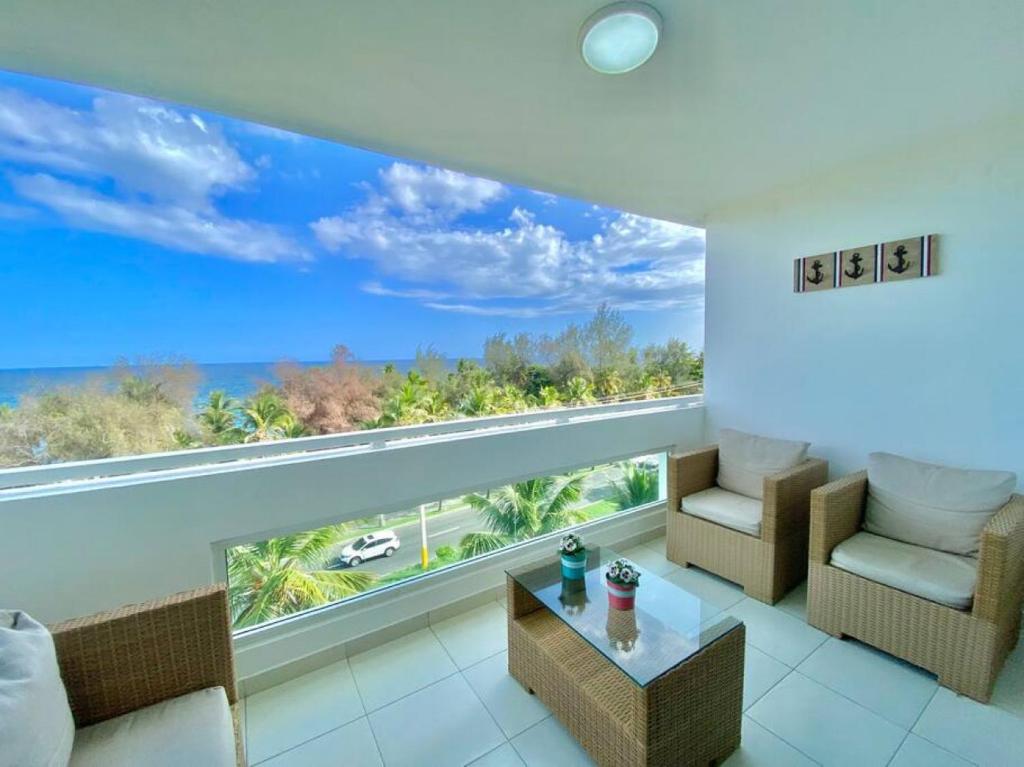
768 566
965 649
125 659
689 716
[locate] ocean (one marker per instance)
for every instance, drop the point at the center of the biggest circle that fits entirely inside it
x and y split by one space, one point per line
239 379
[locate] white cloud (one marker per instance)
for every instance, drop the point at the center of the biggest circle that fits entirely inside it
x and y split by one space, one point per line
524 269
166 169
435 194
376 289
173 226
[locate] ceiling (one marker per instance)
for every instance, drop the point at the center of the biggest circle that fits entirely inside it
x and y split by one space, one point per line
741 97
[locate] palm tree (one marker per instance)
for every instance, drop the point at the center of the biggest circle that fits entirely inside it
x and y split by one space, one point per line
658 385
579 391
220 417
638 486
524 510
285 575
265 417
292 427
411 403
609 382
549 396
479 401
511 399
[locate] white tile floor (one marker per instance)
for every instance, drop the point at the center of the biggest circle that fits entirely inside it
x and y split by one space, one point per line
442 696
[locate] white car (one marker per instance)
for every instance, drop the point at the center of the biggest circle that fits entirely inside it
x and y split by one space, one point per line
370 546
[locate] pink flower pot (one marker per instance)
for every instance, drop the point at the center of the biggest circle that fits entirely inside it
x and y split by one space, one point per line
620 596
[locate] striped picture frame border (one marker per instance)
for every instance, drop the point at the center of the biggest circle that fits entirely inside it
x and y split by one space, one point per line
926 265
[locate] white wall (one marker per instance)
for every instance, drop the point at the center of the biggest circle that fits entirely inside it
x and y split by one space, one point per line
932 368
74 548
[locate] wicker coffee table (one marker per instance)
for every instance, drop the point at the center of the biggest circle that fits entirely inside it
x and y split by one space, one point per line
658 685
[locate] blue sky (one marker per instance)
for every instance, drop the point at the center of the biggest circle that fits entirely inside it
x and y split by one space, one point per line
132 228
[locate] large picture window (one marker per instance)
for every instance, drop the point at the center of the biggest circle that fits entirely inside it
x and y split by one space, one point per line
175 279
282 576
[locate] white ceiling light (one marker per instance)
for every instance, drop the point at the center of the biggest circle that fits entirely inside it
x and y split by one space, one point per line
620 37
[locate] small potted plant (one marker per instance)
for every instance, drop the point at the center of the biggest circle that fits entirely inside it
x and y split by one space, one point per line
574 557
622 577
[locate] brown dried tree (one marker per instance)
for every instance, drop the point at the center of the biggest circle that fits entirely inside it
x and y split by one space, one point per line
339 396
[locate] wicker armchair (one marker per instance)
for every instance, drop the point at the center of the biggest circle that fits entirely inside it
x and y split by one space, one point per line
122 660
767 566
964 648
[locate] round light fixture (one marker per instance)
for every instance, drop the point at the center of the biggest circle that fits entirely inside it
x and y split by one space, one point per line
620 37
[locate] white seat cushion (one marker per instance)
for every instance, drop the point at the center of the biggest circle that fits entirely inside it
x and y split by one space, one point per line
36 727
192 730
744 460
934 575
932 506
726 508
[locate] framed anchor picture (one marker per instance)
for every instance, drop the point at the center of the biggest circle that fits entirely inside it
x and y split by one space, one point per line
814 273
857 266
886 262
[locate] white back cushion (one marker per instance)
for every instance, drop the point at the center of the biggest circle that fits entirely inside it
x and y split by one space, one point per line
933 506
36 727
744 460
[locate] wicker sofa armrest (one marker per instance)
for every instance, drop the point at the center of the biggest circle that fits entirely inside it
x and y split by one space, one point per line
1000 588
691 472
787 498
122 660
837 510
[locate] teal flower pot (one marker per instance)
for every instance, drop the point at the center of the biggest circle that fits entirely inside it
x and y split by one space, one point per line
574 566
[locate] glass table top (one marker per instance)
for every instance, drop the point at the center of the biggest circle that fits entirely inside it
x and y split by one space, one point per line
667 626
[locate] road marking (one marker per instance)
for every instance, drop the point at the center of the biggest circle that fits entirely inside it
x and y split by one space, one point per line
442 532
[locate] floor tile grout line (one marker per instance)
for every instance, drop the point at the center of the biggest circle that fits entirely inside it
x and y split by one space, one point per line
814 681
484 703
912 726
538 724
315 737
855 702
929 740
769 730
827 686
776 684
487 753
939 746
885 719
412 692
366 714
466 681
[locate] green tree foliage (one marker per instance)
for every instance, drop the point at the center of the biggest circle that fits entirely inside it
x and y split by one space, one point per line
219 419
149 407
94 420
637 486
287 574
265 416
522 511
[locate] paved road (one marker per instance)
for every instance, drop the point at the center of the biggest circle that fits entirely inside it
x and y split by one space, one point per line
444 529
448 528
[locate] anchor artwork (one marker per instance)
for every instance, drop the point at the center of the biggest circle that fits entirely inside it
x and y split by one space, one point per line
817 272
887 262
857 266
